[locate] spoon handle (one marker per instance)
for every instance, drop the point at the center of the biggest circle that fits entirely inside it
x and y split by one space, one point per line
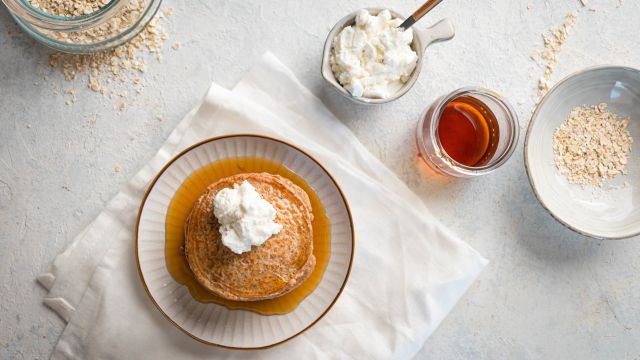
425 8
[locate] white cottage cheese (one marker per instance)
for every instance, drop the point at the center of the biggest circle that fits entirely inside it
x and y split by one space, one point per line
245 218
373 58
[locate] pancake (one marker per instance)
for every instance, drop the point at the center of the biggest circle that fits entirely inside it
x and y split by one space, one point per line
273 269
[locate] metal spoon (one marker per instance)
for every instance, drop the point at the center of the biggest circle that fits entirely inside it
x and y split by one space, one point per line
418 14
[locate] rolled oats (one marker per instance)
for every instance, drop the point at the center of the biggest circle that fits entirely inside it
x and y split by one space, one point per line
123 65
69 8
592 145
553 40
124 19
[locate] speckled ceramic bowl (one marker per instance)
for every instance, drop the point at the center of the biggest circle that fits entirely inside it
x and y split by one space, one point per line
610 212
422 38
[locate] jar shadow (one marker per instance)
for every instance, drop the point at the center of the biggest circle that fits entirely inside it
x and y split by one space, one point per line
429 173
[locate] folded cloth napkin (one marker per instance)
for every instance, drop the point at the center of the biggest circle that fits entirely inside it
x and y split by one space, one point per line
408 270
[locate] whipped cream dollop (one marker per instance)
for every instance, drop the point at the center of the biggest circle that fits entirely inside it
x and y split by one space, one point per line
373 58
245 218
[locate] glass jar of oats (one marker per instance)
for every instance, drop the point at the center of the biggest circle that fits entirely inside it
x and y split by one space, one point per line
82 26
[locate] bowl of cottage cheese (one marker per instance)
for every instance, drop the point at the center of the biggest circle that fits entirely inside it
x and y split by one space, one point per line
368 59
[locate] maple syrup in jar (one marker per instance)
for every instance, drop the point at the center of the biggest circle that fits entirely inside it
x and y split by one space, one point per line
469 132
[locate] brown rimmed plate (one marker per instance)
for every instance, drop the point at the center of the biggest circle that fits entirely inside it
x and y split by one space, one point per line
215 324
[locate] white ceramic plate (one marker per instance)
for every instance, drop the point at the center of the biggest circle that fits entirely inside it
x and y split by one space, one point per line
606 212
215 324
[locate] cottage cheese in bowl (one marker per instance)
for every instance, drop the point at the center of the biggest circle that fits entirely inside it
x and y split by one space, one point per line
373 58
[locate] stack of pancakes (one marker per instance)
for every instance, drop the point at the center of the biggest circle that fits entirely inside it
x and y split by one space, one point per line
273 269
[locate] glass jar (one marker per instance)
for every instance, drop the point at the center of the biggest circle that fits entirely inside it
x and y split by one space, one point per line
112 25
434 154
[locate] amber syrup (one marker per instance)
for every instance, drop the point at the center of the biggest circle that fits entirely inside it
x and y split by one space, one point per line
468 131
182 203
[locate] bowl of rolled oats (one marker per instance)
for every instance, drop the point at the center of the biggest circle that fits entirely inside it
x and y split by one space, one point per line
580 154
83 26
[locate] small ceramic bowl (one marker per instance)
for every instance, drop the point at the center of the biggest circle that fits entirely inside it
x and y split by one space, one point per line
422 38
610 212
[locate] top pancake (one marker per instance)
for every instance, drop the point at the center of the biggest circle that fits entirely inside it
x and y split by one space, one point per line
276 267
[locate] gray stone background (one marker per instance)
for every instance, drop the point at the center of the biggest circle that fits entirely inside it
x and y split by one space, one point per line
548 293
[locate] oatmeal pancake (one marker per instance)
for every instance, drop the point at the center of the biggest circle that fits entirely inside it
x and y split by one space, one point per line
270 270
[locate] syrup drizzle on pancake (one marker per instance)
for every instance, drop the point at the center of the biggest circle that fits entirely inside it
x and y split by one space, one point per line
181 206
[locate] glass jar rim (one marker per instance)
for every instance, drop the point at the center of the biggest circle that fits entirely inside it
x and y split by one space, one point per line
498 99
32 15
111 42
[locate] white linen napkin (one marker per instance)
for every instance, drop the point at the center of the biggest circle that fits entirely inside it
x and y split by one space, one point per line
408 270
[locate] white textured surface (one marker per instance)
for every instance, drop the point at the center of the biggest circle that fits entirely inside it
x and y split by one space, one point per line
548 293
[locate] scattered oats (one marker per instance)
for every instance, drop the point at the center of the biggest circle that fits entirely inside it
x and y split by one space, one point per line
72 93
122 106
591 145
167 11
53 60
137 65
176 46
118 168
584 2
131 51
90 123
553 40
28 126
120 68
593 8
159 118
535 54
530 6
94 83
